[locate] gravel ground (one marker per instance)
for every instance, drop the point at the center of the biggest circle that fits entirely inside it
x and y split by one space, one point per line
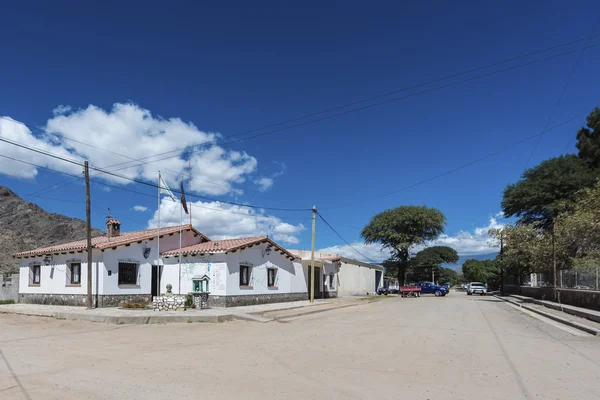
453 347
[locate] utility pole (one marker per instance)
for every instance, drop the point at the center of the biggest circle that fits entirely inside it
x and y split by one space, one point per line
433 275
88 217
502 262
554 254
312 256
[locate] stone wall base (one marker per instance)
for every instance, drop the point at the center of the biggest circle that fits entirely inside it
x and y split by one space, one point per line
574 297
253 299
81 299
330 295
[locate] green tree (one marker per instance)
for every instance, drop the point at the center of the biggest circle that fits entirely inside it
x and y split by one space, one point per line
401 228
547 189
588 139
429 260
480 270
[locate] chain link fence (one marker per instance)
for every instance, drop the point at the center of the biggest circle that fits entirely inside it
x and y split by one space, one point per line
585 279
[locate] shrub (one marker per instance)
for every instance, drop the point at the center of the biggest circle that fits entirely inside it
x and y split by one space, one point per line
132 304
7 302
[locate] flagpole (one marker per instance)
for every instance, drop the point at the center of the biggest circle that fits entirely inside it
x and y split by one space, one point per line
190 209
180 233
158 242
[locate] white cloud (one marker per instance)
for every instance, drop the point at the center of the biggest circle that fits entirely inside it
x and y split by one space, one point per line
140 208
372 251
61 110
223 221
134 132
499 214
264 183
17 132
466 243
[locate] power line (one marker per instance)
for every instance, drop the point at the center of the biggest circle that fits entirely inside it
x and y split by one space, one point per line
353 110
341 237
562 93
188 175
50 154
190 147
450 171
135 191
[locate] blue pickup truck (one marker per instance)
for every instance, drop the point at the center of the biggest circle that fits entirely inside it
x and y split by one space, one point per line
431 288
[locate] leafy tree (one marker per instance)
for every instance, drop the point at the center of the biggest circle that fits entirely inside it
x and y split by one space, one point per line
429 260
588 139
578 232
480 270
401 228
434 256
547 189
448 275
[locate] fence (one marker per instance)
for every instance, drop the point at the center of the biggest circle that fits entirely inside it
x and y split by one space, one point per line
587 279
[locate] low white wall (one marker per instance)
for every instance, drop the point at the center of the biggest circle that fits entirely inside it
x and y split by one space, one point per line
356 280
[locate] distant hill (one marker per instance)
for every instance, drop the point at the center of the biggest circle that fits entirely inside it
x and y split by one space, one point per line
25 226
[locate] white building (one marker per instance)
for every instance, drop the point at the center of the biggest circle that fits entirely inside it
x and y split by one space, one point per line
126 266
342 276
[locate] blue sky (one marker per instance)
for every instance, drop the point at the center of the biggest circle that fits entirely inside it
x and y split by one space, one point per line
128 70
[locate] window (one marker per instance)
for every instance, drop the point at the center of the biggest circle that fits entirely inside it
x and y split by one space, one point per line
271 274
244 275
74 274
331 278
128 273
35 274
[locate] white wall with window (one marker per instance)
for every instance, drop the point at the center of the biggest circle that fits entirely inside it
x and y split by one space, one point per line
252 271
57 274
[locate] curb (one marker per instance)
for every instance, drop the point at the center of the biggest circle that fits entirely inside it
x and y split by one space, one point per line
133 320
572 324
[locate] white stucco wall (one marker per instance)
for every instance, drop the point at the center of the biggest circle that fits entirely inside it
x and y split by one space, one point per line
53 277
225 268
214 266
287 277
53 280
356 279
135 253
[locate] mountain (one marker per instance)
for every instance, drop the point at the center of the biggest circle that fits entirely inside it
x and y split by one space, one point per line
25 226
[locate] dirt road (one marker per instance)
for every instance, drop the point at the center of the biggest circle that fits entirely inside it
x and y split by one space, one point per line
455 347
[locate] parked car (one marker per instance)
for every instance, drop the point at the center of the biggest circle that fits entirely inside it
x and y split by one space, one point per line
431 288
476 288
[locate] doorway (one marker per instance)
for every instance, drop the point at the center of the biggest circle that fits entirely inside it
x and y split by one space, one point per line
156 274
377 280
316 283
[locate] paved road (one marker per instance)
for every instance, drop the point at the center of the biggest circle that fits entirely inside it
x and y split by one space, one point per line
428 348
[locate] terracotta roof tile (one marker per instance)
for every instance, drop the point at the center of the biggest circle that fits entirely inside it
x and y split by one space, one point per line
102 242
227 245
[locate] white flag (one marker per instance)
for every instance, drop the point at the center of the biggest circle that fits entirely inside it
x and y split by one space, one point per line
164 189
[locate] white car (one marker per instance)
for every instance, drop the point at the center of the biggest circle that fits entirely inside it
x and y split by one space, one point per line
476 288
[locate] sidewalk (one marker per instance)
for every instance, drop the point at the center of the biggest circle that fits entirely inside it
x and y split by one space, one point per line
556 314
592 315
147 316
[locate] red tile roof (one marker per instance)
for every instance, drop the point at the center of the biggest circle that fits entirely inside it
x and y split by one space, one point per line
225 246
102 242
